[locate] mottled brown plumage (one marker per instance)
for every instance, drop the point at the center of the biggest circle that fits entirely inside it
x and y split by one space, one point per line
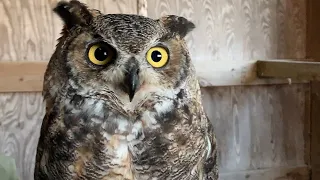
126 119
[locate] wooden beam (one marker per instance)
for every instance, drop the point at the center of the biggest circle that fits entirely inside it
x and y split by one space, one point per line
312 50
27 76
233 73
22 76
297 70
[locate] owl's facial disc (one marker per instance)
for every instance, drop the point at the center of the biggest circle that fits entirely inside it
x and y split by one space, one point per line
131 81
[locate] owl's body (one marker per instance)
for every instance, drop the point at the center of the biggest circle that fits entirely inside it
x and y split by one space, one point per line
135 116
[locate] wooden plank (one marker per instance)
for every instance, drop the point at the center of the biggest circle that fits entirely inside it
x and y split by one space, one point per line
233 73
23 76
298 70
307 124
312 49
27 76
313 27
280 173
315 130
258 127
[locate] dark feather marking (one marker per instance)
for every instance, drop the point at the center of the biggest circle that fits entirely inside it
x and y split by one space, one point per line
77 101
80 133
168 120
181 94
185 70
210 163
70 121
111 127
73 13
177 24
153 151
181 139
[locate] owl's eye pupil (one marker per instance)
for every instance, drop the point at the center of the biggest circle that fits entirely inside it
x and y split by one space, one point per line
156 56
101 54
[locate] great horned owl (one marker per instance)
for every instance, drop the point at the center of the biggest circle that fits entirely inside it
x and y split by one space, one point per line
123 101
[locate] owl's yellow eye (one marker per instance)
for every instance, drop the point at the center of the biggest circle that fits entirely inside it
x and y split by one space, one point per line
157 56
101 54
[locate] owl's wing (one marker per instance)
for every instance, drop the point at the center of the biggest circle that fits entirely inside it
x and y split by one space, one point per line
39 152
211 163
49 118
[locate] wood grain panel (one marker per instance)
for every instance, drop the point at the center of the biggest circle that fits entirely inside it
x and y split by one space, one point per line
236 30
20 120
29 29
143 7
258 126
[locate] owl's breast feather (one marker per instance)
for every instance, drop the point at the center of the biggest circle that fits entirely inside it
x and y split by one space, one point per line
135 145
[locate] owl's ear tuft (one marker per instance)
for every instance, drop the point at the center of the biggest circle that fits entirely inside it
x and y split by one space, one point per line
177 24
73 13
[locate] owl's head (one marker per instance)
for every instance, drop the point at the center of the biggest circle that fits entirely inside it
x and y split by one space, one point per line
119 52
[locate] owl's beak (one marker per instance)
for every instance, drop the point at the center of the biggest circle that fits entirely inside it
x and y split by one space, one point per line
132 80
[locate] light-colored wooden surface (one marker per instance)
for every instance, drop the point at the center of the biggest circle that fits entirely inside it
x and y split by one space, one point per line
22 76
142 7
258 126
236 30
20 120
28 31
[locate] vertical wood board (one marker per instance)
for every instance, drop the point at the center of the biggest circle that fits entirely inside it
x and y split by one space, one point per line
240 30
315 130
313 46
258 127
29 29
20 120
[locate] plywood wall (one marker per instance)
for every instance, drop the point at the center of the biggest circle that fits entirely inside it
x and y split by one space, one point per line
240 30
262 130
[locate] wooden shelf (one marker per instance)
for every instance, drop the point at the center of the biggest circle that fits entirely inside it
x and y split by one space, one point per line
27 76
296 70
22 76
